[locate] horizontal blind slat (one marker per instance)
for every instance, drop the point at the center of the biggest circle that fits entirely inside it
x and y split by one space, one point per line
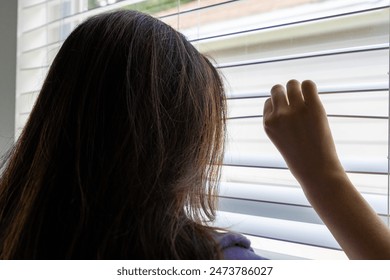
329 89
329 116
353 165
299 22
377 47
288 195
292 231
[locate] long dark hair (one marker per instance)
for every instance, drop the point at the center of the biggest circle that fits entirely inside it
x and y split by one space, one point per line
121 155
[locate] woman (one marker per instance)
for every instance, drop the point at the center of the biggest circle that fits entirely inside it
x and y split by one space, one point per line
114 160
122 152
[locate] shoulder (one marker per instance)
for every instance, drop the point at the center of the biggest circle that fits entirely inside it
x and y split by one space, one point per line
235 246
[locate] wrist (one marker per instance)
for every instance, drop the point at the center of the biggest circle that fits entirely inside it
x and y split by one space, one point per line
315 173
325 182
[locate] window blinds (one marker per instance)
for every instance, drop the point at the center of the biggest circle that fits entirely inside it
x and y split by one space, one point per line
342 45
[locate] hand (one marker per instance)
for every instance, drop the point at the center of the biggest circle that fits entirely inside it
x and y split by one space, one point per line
296 123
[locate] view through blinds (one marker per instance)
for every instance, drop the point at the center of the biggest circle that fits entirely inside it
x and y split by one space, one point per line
342 45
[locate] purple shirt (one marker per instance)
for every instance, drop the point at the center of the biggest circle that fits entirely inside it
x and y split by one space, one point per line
235 246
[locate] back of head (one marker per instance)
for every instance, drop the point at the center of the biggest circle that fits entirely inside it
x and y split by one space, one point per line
121 153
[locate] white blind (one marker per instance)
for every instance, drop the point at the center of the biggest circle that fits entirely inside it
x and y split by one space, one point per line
342 45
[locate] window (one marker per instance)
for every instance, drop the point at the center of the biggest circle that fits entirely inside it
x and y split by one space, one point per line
342 45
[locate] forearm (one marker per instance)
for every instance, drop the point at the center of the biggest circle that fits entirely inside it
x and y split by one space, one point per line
353 223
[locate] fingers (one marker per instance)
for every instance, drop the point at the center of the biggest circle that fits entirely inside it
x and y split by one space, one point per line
297 94
294 93
278 97
309 91
267 107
